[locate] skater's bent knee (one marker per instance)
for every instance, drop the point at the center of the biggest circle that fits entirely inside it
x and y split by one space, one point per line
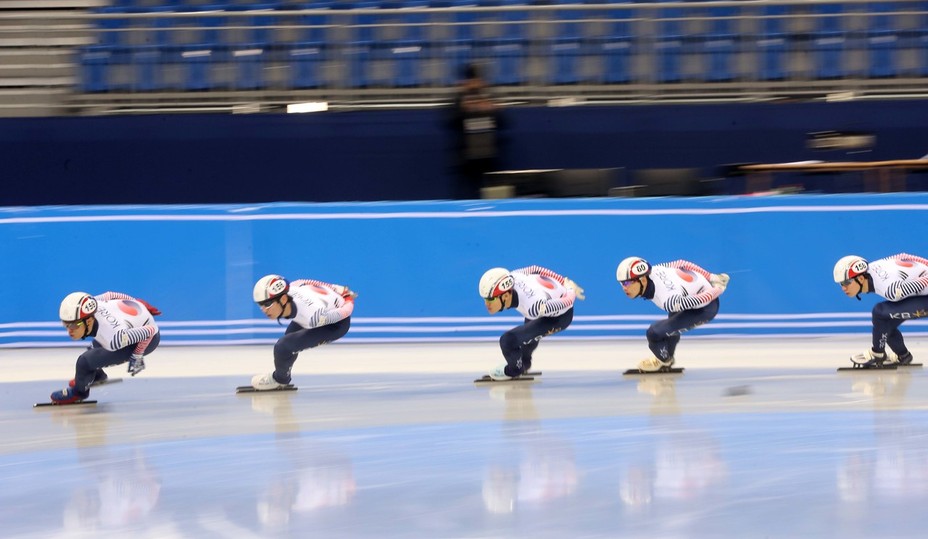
508 341
83 364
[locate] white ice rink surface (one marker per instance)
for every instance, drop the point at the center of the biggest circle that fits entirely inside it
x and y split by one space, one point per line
758 438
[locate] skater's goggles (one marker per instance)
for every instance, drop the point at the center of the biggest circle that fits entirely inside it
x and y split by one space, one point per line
846 282
72 325
626 284
267 303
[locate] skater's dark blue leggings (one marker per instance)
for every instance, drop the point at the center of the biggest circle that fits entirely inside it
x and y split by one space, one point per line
889 315
96 357
519 342
664 335
297 338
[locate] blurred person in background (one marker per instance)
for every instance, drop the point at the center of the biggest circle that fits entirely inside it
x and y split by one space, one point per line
476 122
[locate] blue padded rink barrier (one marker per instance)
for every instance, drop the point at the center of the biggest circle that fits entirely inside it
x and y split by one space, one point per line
757 438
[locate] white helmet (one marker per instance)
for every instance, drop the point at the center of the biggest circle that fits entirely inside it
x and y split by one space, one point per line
270 287
77 306
495 282
632 268
849 267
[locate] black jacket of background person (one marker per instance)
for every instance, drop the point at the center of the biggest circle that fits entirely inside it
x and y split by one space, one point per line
477 122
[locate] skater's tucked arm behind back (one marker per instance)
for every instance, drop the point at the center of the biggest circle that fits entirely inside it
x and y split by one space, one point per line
109 296
538 270
552 307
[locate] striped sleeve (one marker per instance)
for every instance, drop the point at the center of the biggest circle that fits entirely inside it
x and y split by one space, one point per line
900 290
337 288
544 272
552 307
686 265
313 282
109 296
324 317
680 303
140 337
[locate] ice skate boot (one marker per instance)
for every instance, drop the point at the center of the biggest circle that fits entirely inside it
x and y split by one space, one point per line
68 395
869 359
499 373
904 360
265 382
99 378
652 364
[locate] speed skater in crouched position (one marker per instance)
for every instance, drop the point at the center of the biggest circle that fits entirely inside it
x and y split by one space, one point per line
123 330
902 280
319 313
686 291
544 298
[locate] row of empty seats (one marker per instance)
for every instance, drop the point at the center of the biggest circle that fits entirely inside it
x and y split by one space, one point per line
364 43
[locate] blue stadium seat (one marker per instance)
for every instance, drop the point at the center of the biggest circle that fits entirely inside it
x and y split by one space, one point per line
95 68
567 47
720 44
508 49
406 50
883 39
197 63
307 55
147 63
829 41
359 52
249 67
616 46
773 42
248 47
315 24
113 30
459 49
669 44
158 29
920 38
202 50
259 24
305 59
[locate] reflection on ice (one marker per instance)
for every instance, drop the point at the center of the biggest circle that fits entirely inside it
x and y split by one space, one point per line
575 454
681 464
533 467
112 489
892 468
307 476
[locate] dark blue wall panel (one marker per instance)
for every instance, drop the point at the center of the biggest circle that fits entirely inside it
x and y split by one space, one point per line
408 155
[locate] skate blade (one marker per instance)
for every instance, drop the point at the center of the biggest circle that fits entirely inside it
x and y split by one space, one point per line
863 369
78 403
907 365
250 389
487 380
532 373
106 382
665 370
